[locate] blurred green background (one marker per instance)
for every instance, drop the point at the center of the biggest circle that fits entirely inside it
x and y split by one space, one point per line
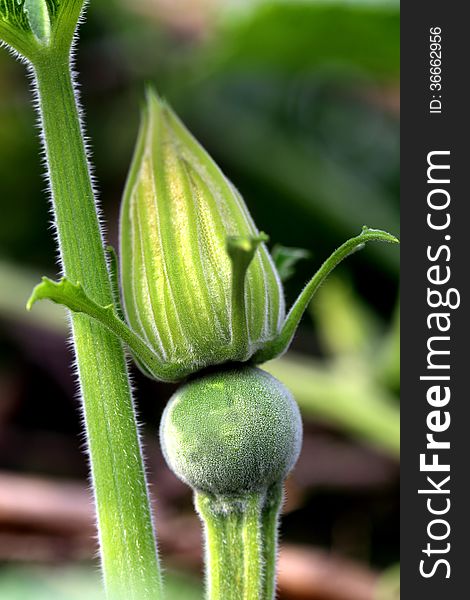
298 101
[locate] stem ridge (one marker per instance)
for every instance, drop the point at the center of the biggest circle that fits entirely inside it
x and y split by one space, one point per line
241 543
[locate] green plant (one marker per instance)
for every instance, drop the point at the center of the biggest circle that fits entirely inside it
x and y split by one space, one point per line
41 33
202 300
235 459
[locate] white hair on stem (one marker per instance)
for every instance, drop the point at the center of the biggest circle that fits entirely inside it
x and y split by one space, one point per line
36 101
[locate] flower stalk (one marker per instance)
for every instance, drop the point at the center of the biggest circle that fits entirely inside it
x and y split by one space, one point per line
236 553
241 543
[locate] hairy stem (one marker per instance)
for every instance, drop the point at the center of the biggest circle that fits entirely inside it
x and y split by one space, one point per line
269 529
253 550
127 543
241 544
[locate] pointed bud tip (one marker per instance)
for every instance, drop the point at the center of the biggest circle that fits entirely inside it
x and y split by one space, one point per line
151 94
154 101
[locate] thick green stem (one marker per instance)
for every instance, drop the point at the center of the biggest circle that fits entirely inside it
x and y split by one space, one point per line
127 543
222 558
241 544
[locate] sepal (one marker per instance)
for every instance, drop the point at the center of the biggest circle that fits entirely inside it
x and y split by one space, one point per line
74 297
279 345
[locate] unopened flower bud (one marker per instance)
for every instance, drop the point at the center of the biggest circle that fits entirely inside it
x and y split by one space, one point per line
199 286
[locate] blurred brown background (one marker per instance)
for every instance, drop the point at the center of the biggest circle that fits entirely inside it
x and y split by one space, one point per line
298 102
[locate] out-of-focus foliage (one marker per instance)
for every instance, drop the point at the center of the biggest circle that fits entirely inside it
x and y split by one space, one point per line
77 584
354 388
292 36
288 95
345 324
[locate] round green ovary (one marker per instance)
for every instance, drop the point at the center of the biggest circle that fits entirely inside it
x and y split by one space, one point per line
231 432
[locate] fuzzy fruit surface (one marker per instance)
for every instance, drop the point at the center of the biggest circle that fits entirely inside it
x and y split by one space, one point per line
231 432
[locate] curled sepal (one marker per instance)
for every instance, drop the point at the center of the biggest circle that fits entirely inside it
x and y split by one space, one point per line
33 27
198 283
279 345
241 250
74 297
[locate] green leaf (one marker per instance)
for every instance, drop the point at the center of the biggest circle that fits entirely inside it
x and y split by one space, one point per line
15 29
12 12
286 259
32 26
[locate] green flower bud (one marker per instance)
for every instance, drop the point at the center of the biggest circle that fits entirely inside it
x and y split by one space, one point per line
232 432
180 281
199 287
